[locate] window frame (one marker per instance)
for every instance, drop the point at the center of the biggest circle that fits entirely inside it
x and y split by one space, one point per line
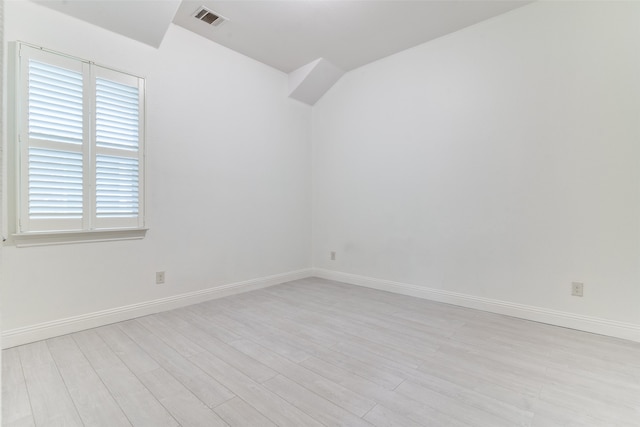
89 227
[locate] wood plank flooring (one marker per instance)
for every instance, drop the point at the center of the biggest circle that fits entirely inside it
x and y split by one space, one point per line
320 353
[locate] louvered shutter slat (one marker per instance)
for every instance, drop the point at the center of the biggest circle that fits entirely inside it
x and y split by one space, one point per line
116 187
55 184
117 113
55 103
117 127
55 113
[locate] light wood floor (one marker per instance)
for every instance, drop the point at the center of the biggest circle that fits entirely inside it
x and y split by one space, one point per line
315 352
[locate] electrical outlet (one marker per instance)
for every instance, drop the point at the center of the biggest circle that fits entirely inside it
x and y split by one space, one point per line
332 255
577 289
159 277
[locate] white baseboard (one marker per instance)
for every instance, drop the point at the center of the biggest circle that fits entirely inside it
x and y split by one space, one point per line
24 335
596 325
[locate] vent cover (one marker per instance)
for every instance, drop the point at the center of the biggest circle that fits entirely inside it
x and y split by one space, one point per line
208 16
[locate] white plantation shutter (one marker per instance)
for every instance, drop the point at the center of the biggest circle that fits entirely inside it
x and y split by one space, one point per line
118 160
53 152
81 145
55 114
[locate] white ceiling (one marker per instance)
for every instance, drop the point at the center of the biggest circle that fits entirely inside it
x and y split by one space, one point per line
144 20
287 34
347 33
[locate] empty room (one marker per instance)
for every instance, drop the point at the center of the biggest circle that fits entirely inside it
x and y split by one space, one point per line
320 213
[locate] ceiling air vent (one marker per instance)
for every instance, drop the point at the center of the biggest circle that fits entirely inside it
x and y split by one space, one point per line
209 17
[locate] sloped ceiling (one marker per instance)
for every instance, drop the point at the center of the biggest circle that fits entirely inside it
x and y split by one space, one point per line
287 34
144 20
346 33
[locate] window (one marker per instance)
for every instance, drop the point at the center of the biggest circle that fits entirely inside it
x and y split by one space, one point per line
81 145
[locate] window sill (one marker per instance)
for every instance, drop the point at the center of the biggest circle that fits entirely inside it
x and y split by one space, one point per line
46 238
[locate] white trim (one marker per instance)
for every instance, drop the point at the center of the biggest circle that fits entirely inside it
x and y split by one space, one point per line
596 325
46 238
24 335
41 331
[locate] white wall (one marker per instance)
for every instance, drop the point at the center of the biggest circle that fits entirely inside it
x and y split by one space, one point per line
228 170
501 162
